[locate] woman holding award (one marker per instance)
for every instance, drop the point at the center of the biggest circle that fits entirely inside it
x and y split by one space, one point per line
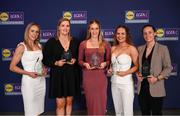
60 54
123 54
33 84
155 67
94 58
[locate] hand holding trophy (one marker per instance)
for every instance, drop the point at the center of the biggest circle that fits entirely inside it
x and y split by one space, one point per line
145 69
38 67
95 60
67 55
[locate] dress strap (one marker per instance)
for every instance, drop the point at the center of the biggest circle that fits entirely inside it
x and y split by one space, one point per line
22 43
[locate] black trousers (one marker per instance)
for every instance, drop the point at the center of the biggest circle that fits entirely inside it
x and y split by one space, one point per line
149 105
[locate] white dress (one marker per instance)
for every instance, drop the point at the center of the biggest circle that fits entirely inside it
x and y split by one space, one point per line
122 87
33 89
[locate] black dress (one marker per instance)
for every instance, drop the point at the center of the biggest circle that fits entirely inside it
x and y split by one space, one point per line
62 79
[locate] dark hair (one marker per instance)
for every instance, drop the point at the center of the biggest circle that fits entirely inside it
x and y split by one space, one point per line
128 35
148 25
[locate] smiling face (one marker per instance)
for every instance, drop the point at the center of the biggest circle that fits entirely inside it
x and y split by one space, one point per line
121 35
33 32
64 28
94 30
149 34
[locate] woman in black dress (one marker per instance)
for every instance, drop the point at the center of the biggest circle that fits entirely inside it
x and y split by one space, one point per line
60 54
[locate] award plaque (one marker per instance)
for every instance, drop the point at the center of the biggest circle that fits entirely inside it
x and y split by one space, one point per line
95 60
38 68
145 69
67 55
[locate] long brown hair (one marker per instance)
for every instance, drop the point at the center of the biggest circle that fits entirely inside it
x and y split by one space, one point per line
59 23
128 35
100 36
26 35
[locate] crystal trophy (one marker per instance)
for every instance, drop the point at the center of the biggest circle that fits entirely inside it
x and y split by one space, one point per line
95 60
38 67
67 55
145 69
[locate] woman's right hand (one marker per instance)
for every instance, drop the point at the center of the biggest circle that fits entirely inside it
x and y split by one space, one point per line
60 62
87 65
33 74
109 72
139 76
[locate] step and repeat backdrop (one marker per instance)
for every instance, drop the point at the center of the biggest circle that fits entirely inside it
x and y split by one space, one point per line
16 14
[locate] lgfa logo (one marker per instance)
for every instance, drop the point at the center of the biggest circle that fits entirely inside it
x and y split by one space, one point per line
4 16
8 88
160 32
6 53
67 15
130 15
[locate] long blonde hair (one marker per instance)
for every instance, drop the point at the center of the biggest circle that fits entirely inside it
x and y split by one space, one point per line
26 35
101 41
57 31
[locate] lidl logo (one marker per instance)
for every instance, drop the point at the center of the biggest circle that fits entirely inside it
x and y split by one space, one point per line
6 53
130 15
160 32
8 88
4 16
67 15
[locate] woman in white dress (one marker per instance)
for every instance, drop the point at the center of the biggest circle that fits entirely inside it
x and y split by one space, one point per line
123 53
33 82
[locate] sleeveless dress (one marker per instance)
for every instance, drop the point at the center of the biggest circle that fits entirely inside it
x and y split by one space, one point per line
122 87
33 89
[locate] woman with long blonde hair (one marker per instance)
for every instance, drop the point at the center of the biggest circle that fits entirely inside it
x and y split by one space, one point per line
94 58
33 84
60 54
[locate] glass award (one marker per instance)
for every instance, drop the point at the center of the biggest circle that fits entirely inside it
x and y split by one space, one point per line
67 55
38 68
95 60
145 69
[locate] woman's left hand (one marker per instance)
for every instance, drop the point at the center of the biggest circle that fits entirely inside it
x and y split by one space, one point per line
152 79
121 73
102 65
44 71
73 60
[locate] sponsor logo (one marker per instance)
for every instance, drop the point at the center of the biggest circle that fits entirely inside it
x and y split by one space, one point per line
174 70
130 15
47 34
167 34
137 16
4 16
7 54
12 89
67 15
76 17
108 34
11 18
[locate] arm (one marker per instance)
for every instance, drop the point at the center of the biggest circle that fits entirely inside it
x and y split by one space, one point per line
108 54
134 56
107 57
16 59
166 65
81 54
